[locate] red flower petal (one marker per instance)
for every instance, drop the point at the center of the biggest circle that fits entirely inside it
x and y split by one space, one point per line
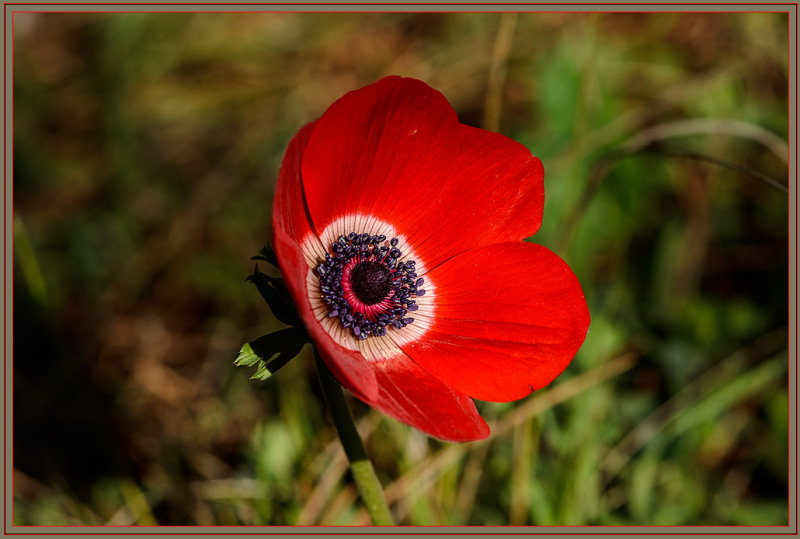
395 150
289 208
414 397
509 319
290 226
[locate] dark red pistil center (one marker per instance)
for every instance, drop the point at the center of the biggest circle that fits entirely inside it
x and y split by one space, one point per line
371 282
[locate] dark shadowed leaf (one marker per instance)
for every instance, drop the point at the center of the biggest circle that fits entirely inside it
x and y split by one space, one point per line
273 290
285 344
267 254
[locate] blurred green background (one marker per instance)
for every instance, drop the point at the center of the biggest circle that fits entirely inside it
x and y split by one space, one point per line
146 148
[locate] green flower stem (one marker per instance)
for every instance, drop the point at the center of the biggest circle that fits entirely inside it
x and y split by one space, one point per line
367 482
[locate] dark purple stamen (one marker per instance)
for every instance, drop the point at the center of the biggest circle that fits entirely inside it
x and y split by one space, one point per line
376 277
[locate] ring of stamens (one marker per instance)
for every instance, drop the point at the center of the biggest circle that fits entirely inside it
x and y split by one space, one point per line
366 286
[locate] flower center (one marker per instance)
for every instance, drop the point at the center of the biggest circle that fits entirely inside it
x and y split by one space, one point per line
371 282
367 286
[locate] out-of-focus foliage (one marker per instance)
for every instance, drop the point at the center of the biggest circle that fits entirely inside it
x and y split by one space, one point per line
146 148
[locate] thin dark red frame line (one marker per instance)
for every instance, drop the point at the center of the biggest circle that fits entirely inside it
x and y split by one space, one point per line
7 155
147 530
444 4
298 12
10 153
5 265
12 226
797 298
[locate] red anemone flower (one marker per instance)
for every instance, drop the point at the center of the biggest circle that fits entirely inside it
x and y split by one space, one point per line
399 233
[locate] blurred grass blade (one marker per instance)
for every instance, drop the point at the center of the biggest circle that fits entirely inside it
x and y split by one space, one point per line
30 268
672 152
137 503
710 126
